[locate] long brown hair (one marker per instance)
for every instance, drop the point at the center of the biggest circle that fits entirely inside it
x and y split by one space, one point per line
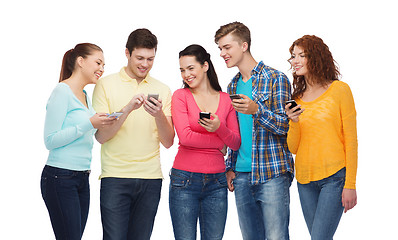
320 64
69 60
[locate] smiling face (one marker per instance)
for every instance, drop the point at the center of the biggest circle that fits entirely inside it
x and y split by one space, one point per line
192 72
232 50
140 62
299 61
92 66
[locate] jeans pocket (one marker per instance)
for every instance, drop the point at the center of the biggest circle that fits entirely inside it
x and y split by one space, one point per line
222 181
177 181
64 174
43 186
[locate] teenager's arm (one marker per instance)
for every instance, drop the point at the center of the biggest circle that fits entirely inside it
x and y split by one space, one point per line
275 121
164 123
105 134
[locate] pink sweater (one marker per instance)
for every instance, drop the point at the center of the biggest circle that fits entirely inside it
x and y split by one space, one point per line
199 150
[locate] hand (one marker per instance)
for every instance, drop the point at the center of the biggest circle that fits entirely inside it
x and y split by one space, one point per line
135 103
349 199
245 105
211 125
291 114
230 177
224 150
154 108
100 120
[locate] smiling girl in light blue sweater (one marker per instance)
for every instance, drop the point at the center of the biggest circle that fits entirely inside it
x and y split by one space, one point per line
68 134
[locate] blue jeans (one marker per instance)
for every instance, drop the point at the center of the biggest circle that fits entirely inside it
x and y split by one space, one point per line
321 205
198 195
263 209
66 194
128 207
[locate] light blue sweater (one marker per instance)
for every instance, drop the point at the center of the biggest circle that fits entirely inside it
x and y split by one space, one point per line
68 132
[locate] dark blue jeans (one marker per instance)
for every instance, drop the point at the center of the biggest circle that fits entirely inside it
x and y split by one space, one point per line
67 197
198 195
128 207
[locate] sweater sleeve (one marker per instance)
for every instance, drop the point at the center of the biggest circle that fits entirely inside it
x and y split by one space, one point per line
55 135
186 136
293 137
348 115
229 131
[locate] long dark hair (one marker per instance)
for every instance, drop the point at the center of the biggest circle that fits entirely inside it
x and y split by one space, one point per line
202 56
69 60
320 63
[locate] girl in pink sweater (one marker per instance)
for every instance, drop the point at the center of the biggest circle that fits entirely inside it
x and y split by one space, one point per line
198 187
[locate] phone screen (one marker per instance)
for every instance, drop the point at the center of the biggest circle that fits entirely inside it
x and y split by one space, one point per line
155 96
294 104
204 115
235 96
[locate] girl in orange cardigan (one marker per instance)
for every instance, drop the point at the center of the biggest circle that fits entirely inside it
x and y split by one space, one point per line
323 136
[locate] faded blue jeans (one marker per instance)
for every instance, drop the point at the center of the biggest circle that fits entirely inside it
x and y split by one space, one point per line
263 209
321 205
198 195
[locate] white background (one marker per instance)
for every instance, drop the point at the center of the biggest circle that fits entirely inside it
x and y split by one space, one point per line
35 34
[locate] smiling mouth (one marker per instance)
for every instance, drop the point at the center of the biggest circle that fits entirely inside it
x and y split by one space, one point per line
189 79
143 70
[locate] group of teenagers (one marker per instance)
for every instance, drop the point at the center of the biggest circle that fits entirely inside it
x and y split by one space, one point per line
244 145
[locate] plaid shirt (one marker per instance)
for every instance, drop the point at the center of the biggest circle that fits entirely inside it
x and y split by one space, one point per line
270 154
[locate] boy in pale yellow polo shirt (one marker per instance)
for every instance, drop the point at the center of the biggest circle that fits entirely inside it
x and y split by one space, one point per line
131 177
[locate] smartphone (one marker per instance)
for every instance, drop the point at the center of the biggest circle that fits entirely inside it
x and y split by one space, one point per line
294 104
235 96
115 114
155 96
203 115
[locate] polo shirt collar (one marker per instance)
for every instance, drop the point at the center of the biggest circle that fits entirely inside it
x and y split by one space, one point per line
126 78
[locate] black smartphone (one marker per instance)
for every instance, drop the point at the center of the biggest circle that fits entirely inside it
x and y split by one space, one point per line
155 96
294 104
235 96
203 115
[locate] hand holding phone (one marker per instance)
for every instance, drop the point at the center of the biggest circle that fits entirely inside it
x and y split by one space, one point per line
155 96
293 105
203 115
294 116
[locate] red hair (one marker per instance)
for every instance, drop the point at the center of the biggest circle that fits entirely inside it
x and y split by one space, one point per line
322 68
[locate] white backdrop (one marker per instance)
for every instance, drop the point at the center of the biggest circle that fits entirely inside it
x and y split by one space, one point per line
35 34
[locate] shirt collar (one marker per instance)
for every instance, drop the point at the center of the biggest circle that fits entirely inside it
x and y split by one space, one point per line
126 78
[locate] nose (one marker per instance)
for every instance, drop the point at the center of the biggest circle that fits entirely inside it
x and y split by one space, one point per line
186 74
222 53
294 60
145 63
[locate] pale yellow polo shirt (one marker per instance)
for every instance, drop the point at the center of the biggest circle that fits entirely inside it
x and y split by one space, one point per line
134 151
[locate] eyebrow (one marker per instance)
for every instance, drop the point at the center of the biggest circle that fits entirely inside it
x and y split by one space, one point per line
187 66
225 45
